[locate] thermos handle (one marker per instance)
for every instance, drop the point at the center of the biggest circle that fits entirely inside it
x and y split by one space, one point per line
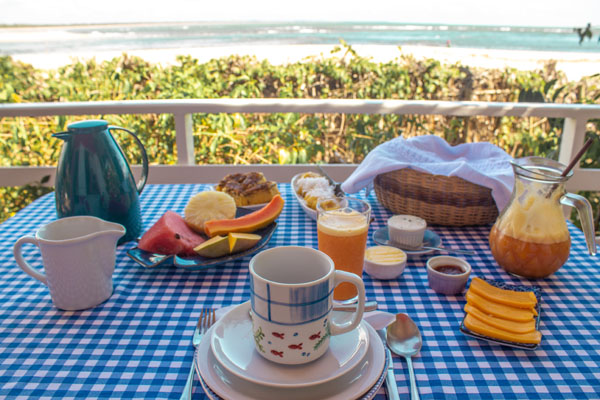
142 182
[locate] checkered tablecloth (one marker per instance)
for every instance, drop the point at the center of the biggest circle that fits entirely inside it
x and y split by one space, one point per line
138 343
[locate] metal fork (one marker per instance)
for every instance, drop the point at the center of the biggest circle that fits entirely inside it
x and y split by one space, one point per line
205 321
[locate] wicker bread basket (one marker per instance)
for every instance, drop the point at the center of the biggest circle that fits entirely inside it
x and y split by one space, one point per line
440 200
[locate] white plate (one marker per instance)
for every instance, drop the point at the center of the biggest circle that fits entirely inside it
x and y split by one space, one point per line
309 211
248 206
232 344
362 382
381 236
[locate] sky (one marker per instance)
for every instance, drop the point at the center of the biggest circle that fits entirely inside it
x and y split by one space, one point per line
559 13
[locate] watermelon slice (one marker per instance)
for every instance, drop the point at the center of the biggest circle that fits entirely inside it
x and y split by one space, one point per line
170 235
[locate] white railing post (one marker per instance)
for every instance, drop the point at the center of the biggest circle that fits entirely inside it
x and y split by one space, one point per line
573 136
572 139
184 138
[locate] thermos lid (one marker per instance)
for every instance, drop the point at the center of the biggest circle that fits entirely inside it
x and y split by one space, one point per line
88 126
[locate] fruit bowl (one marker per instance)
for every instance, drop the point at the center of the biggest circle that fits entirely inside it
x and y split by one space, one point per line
310 212
195 263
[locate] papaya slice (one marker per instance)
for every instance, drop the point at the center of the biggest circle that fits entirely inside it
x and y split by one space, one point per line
500 310
476 325
241 241
247 223
503 296
501 323
217 246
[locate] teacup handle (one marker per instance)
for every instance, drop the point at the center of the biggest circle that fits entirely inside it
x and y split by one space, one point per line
343 276
25 266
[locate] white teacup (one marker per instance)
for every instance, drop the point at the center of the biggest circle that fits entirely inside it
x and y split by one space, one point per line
78 255
291 292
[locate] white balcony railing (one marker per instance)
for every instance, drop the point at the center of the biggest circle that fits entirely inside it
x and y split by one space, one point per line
185 171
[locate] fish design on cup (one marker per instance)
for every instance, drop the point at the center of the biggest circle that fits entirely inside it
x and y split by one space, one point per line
291 293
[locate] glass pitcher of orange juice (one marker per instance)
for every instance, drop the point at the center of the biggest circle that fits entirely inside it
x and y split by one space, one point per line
342 229
530 237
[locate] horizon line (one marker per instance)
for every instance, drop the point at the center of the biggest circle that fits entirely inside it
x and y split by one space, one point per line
265 22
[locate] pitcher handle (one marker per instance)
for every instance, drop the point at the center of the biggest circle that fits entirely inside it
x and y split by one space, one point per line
142 182
25 266
585 216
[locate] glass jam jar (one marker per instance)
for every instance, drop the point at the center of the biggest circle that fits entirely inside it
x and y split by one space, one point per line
530 237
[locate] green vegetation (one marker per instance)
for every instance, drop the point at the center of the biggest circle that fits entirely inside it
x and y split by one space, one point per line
284 138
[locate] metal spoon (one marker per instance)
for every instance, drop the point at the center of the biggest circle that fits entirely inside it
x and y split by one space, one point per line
404 339
337 187
446 249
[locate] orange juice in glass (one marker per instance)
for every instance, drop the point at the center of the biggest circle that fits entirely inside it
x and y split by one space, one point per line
342 228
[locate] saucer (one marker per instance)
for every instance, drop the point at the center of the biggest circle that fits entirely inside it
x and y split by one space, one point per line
232 345
362 382
381 236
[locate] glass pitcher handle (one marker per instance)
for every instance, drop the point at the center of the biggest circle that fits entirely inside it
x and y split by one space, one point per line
585 216
142 182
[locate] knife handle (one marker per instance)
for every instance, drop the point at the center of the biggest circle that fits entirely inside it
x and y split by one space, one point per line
390 380
369 306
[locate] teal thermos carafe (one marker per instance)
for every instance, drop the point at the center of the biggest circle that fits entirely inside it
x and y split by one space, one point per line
93 177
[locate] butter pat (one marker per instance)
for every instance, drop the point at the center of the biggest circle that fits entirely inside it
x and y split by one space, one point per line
384 262
407 230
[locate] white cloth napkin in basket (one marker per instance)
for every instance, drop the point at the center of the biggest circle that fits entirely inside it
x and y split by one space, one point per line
481 163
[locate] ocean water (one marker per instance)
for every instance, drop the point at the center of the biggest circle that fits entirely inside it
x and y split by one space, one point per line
188 35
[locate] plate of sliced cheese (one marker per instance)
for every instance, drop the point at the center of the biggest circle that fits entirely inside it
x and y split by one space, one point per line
503 313
309 188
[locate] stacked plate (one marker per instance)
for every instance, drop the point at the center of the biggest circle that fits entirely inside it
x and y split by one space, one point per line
231 368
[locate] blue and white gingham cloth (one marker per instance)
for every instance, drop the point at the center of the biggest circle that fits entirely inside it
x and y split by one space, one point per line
137 345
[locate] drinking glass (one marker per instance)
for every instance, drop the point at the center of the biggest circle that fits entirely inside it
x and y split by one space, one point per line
342 228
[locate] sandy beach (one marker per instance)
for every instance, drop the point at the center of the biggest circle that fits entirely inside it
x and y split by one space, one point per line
574 65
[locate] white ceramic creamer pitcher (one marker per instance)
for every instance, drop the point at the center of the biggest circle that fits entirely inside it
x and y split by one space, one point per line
78 255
